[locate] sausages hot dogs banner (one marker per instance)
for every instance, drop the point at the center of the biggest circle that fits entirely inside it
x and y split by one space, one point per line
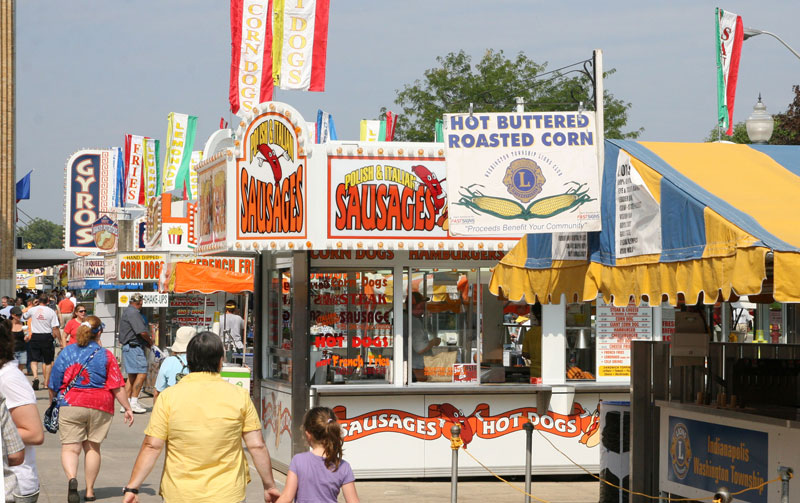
522 173
417 427
278 190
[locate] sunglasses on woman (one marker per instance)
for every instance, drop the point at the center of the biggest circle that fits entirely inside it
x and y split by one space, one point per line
81 311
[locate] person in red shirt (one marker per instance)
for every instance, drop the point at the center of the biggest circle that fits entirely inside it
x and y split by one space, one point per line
71 329
66 308
88 407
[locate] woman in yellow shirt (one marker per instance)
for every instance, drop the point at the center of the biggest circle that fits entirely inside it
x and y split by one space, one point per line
202 420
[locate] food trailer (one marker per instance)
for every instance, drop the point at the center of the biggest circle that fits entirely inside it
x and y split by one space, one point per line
346 233
714 404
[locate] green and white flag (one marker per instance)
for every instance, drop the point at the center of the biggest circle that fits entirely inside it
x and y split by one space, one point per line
181 129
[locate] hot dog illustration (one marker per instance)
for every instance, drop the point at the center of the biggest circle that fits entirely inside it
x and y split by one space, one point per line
591 435
453 416
435 186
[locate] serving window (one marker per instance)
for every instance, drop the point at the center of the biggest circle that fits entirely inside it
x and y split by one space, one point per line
351 326
440 322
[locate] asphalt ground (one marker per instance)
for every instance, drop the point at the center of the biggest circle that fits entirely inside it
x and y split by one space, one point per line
122 445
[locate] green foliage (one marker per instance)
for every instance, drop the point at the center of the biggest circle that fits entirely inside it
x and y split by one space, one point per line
787 124
491 86
43 233
739 134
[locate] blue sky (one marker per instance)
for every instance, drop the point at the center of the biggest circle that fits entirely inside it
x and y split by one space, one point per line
90 71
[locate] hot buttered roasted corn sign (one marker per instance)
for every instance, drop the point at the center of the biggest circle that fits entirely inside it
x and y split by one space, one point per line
522 173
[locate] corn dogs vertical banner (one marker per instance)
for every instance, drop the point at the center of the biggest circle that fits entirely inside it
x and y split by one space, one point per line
181 129
251 54
522 173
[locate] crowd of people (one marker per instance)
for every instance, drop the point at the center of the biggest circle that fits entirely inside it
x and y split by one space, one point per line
199 419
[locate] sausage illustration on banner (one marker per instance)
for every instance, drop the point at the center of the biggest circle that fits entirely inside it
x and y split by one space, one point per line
434 185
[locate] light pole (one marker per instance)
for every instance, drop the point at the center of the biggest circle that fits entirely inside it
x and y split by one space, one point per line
752 32
760 124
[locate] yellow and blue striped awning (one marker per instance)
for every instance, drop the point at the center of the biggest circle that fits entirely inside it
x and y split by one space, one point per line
704 217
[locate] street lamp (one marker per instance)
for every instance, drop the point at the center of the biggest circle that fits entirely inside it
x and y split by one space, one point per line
752 32
760 124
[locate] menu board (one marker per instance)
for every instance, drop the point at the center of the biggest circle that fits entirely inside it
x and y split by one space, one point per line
616 327
188 310
667 323
351 326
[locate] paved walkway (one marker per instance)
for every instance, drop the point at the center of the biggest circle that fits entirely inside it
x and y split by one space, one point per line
122 445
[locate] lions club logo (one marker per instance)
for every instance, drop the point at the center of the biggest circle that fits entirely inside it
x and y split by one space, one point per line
680 451
524 179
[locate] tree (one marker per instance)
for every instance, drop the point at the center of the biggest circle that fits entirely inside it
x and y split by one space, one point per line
491 86
787 124
43 233
739 134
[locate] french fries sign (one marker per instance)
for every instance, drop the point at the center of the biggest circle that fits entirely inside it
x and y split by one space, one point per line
522 173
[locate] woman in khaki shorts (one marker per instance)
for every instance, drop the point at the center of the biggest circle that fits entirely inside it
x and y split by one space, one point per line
88 407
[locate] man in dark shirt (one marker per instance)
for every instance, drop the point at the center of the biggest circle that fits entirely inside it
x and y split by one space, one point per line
134 337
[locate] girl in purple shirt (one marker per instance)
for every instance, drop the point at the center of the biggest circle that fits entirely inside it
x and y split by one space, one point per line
319 474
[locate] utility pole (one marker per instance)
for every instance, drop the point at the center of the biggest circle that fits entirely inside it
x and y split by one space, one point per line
8 195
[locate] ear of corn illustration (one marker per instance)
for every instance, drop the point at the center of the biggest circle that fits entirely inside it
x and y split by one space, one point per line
499 206
509 209
548 206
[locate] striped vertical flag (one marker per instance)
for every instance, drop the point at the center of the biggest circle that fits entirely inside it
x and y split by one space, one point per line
134 170
326 130
197 156
730 35
152 174
181 129
300 44
373 130
251 54
391 122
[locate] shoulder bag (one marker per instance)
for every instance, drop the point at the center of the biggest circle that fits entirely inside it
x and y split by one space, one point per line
51 414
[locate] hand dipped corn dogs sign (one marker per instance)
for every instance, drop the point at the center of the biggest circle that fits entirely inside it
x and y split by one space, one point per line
522 173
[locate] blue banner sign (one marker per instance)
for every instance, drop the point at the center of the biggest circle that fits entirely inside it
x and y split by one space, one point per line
708 456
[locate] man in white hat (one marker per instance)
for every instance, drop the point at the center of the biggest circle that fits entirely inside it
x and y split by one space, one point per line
174 368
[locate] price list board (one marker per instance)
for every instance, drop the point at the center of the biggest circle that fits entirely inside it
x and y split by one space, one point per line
615 328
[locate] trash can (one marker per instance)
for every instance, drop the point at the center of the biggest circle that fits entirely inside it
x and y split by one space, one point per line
615 428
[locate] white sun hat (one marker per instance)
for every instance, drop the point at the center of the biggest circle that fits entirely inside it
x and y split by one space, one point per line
182 338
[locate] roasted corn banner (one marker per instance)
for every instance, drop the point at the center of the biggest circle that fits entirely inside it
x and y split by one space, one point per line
522 173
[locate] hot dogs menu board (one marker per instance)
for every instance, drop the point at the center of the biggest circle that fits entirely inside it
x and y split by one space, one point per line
615 328
351 325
